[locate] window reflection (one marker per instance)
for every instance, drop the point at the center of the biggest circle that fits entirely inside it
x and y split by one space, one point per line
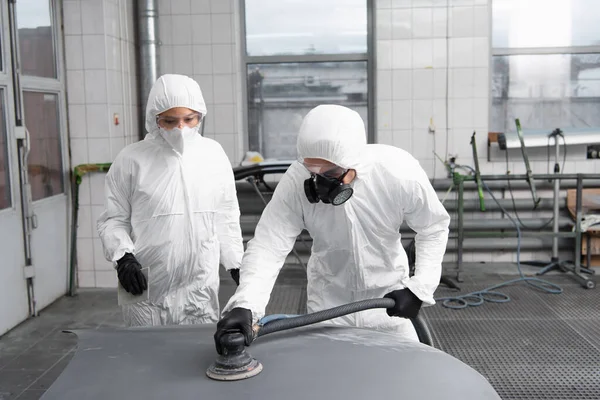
36 43
280 95
284 27
45 158
564 96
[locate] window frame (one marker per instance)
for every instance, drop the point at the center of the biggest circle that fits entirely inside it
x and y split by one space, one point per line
368 57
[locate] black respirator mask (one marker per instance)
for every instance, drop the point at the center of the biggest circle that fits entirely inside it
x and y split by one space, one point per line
328 190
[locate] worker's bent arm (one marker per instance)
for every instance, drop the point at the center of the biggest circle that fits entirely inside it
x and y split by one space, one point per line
274 238
426 215
228 220
114 226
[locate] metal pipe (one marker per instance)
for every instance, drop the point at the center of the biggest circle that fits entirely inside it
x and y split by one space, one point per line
556 196
148 53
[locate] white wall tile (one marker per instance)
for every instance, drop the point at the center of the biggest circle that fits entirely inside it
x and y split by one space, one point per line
222 58
72 17
401 114
422 113
97 121
440 22
84 191
106 279
223 89
96 180
384 84
182 60
383 4
403 139
422 22
461 113
181 7
423 84
481 83
200 7
74 52
461 83
223 117
384 115
422 53
440 53
86 279
383 19
203 59
201 29
166 59
75 87
229 143
401 24
439 115
439 83
84 222
481 52
206 85
77 121
99 150
182 29
92 20
95 86
384 54
402 3
113 53
402 54
111 19
222 31
165 30
422 146
221 6
385 137
461 52
93 52
85 254
461 21
100 263
115 87
481 21
79 151
164 7
116 145
402 84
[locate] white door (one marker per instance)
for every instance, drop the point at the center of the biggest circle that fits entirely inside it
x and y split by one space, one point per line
44 117
34 185
13 285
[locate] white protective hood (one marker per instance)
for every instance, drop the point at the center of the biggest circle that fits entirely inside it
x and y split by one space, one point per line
357 253
176 212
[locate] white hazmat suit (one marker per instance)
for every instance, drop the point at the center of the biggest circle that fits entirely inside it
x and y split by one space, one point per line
171 201
356 252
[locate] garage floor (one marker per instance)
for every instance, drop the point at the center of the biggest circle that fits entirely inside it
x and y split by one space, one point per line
537 346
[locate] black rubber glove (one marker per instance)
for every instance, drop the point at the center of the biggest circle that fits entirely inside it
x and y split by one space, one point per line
130 275
235 274
237 320
407 304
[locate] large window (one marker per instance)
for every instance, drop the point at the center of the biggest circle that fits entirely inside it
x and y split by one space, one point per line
300 54
546 64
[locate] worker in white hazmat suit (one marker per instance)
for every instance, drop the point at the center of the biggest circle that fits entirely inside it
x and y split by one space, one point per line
352 198
171 207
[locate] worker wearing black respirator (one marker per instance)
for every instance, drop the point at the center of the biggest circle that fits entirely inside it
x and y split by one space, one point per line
352 198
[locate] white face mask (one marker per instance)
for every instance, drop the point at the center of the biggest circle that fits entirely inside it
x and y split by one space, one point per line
177 137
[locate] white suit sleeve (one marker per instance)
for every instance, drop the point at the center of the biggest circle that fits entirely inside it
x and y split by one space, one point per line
426 215
279 226
114 227
228 222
